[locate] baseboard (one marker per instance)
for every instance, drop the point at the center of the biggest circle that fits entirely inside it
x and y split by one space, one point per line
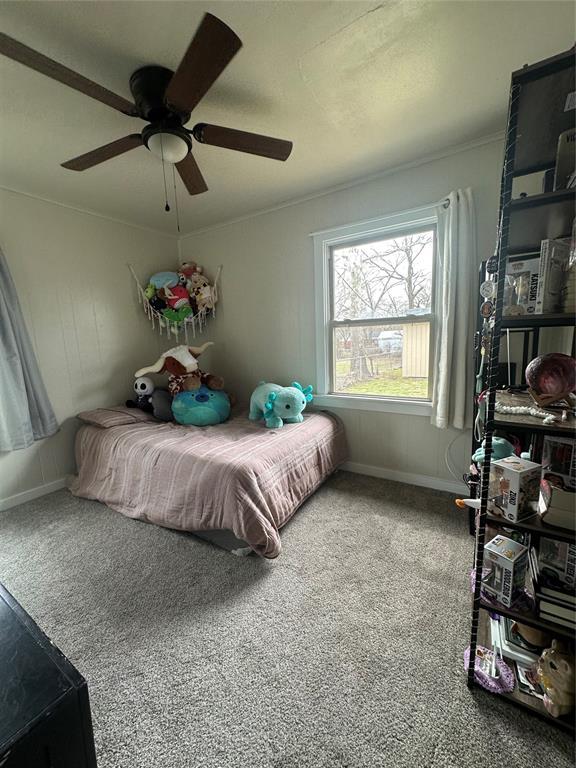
33 493
437 483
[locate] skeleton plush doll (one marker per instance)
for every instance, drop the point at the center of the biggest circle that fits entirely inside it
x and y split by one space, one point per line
143 389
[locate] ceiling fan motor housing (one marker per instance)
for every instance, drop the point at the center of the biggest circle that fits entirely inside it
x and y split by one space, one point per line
148 86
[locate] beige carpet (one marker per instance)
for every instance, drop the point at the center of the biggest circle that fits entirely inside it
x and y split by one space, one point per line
346 652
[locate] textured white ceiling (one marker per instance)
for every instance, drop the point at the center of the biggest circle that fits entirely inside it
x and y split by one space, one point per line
358 86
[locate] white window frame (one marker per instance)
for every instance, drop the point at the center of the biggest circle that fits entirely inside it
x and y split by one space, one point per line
324 241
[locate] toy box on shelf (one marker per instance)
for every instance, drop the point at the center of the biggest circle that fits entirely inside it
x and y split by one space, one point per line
521 287
504 570
514 487
554 261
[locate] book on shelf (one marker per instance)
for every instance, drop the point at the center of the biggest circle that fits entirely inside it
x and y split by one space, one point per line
558 610
557 620
552 275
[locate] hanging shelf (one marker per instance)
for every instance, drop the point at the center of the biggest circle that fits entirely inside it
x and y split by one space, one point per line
188 327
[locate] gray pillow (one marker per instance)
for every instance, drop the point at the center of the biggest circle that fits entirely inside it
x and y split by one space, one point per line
116 416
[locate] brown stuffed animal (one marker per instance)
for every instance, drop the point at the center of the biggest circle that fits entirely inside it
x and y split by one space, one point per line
556 675
181 365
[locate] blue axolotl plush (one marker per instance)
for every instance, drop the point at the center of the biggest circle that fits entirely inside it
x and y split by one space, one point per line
276 404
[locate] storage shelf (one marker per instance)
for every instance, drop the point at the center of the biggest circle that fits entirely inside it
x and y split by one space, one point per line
511 421
542 114
540 217
533 525
539 321
544 198
538 115
526 617
517 697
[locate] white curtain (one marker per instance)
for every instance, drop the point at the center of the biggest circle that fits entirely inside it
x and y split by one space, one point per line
25 411
454 310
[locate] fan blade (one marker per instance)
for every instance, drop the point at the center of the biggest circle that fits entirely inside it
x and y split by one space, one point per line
266 146
212 48
31 58
191 175
100 155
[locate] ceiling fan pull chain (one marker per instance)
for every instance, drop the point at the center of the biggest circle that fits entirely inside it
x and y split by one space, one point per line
176 198
166 207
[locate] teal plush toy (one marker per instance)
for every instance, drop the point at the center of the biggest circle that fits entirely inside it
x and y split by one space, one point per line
276 404
501 449
201 407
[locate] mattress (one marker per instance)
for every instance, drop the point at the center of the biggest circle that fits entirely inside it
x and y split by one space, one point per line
237 476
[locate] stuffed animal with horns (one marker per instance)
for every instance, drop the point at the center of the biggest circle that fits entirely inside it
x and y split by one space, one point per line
181 365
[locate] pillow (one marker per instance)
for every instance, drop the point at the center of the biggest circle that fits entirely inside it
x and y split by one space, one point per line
115 417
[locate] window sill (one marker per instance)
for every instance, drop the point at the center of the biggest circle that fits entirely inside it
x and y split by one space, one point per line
381 404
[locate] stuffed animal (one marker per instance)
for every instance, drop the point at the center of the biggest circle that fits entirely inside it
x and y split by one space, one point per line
162 405
143 389
201 291
201 408
177 315
276 404
188 268
181 365
158 402
501 449
176 296
157 303
555 672
163 279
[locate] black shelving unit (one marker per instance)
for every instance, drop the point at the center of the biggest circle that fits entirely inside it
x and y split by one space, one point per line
536 218
536 117
567 319
534 526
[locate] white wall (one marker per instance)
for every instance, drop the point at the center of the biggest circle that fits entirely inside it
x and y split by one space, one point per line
265 323
84 321
89 334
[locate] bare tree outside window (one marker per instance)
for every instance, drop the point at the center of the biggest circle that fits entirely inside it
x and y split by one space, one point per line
375 282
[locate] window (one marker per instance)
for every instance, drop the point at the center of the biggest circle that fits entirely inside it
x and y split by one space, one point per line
374 299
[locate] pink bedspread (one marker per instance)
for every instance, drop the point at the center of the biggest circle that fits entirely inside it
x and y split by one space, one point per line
237 476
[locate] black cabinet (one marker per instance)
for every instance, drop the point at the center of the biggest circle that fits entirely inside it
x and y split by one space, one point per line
44 709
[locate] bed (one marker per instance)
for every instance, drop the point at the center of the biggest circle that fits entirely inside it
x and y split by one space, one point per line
235 479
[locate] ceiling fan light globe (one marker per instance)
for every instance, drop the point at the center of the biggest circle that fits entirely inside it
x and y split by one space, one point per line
168 146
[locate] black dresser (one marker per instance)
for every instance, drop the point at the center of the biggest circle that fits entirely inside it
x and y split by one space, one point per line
44 709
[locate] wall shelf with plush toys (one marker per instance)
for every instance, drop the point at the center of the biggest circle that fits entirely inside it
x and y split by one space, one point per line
523 474
179 303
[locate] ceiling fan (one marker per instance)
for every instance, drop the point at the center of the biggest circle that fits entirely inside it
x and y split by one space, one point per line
165 100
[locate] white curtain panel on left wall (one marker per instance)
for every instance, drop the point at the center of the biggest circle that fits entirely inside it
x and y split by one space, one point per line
454 311
26 414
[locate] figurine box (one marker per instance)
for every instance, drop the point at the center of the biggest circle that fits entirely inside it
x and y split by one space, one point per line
515 487
504 572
